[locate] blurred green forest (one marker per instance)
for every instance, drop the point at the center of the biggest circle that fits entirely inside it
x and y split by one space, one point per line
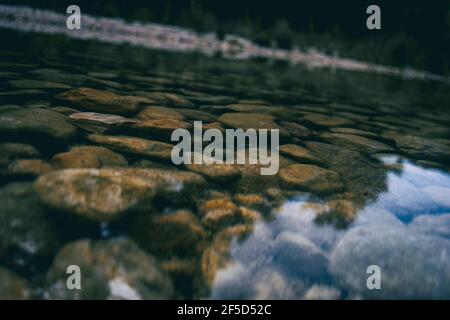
414 33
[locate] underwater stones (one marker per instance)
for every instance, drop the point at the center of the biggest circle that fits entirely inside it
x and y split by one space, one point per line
179 266
254 108
102 101
255 201
299 255
296 130
357 142
416 146
216 172
25 229
211 262
32 167
169 99
18 150
160 126
326 121
64 110
252 181
134 146
197 115
36 121
311 178
223 239
98 122
321 292
150 113
9 107
438 195
100 195
111 269
21 93
214 125
211 100
12 286
298 153
248 214
255 121
432 224
218 212
178 232
417 256
88 157
37 84
363 177
106 194
338 212
354 131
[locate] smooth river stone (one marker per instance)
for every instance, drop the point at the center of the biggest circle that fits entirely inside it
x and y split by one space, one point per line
311 178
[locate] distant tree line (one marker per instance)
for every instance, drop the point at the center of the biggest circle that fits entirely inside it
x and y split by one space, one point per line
414 34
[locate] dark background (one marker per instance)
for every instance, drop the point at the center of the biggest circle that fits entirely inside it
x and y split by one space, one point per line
414 33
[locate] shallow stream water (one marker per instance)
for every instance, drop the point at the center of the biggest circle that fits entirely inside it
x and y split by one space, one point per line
377 148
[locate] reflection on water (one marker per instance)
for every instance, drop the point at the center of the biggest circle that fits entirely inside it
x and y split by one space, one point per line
405 231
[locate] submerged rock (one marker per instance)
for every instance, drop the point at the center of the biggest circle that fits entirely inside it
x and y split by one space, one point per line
37 84
419 147
211 262
33 167
97 194
65 110
298 153
254 201
106 194
89 157
36 121
110 269
218 212
26 232
363 177
103 101
152 113
134 146
357 142
197 115
353 131
311 178
244 121
22 92
98 122
337 212
167 234
321 292
18 150
327 121
160 126
419 269
299 256
296 130
12 286
216 172
169 99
